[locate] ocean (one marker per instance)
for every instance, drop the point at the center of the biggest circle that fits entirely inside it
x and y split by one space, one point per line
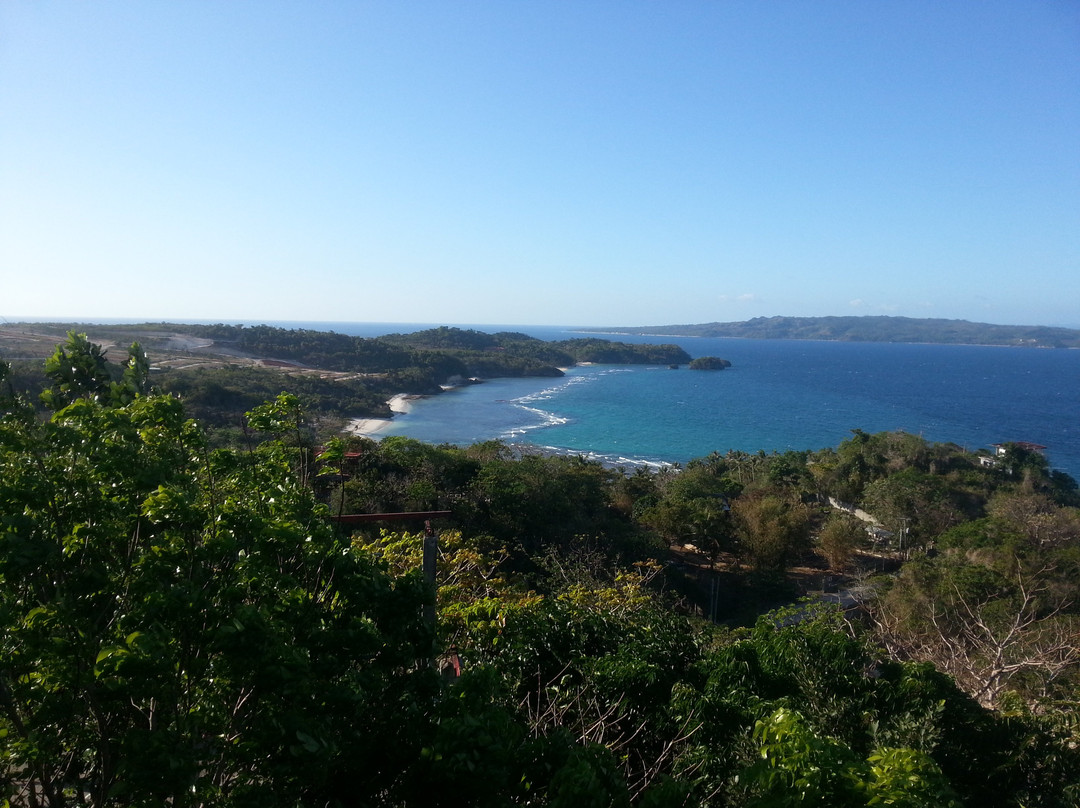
778 395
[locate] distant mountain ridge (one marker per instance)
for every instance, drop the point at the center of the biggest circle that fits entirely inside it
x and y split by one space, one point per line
871 329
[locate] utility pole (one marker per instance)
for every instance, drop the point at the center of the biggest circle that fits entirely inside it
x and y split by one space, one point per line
431 554
431 543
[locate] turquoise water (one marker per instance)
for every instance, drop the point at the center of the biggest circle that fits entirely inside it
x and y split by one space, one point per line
778 395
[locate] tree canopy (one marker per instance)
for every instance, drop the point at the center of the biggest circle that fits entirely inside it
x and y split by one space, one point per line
188 625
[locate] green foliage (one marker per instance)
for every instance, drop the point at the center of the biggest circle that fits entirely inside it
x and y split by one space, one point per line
604 677
856 463
913 504
840 537
526 503
695 508
877 329
324 349
220 396
77 368
772 530
994 623
445 337
602 351
855 704
7 391
798 767
1036 518
22 380
1016 459
979 533
514 354
709 363
183 626
136 378
468 570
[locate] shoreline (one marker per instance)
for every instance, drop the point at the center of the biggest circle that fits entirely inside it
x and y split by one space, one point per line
399 403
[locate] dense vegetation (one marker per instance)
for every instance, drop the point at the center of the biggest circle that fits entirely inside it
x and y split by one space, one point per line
218 395
449 351
875 329
191 626
709 363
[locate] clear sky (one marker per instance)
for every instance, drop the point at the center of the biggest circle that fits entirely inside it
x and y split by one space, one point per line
602 162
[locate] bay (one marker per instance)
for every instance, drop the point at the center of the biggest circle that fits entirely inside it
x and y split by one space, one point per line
778 395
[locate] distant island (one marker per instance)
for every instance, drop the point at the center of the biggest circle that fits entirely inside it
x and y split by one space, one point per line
869 329
709 363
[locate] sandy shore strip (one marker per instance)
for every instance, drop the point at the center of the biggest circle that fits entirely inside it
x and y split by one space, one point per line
372 427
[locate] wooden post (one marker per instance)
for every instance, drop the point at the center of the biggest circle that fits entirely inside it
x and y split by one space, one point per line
431 543
431 554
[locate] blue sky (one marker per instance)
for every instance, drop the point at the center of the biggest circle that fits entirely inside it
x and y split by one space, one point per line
577 163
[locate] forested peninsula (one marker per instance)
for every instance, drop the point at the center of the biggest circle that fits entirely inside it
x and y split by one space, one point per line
870 329
271 613
221 371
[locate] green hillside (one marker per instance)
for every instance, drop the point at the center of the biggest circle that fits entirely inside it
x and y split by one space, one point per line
249 626
872 329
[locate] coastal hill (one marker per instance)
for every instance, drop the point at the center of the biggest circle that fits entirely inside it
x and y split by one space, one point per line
871 329
222 371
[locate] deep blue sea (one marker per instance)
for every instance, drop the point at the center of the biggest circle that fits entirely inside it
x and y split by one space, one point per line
778 395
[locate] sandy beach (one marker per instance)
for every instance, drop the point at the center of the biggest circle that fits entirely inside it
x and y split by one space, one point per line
373 427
